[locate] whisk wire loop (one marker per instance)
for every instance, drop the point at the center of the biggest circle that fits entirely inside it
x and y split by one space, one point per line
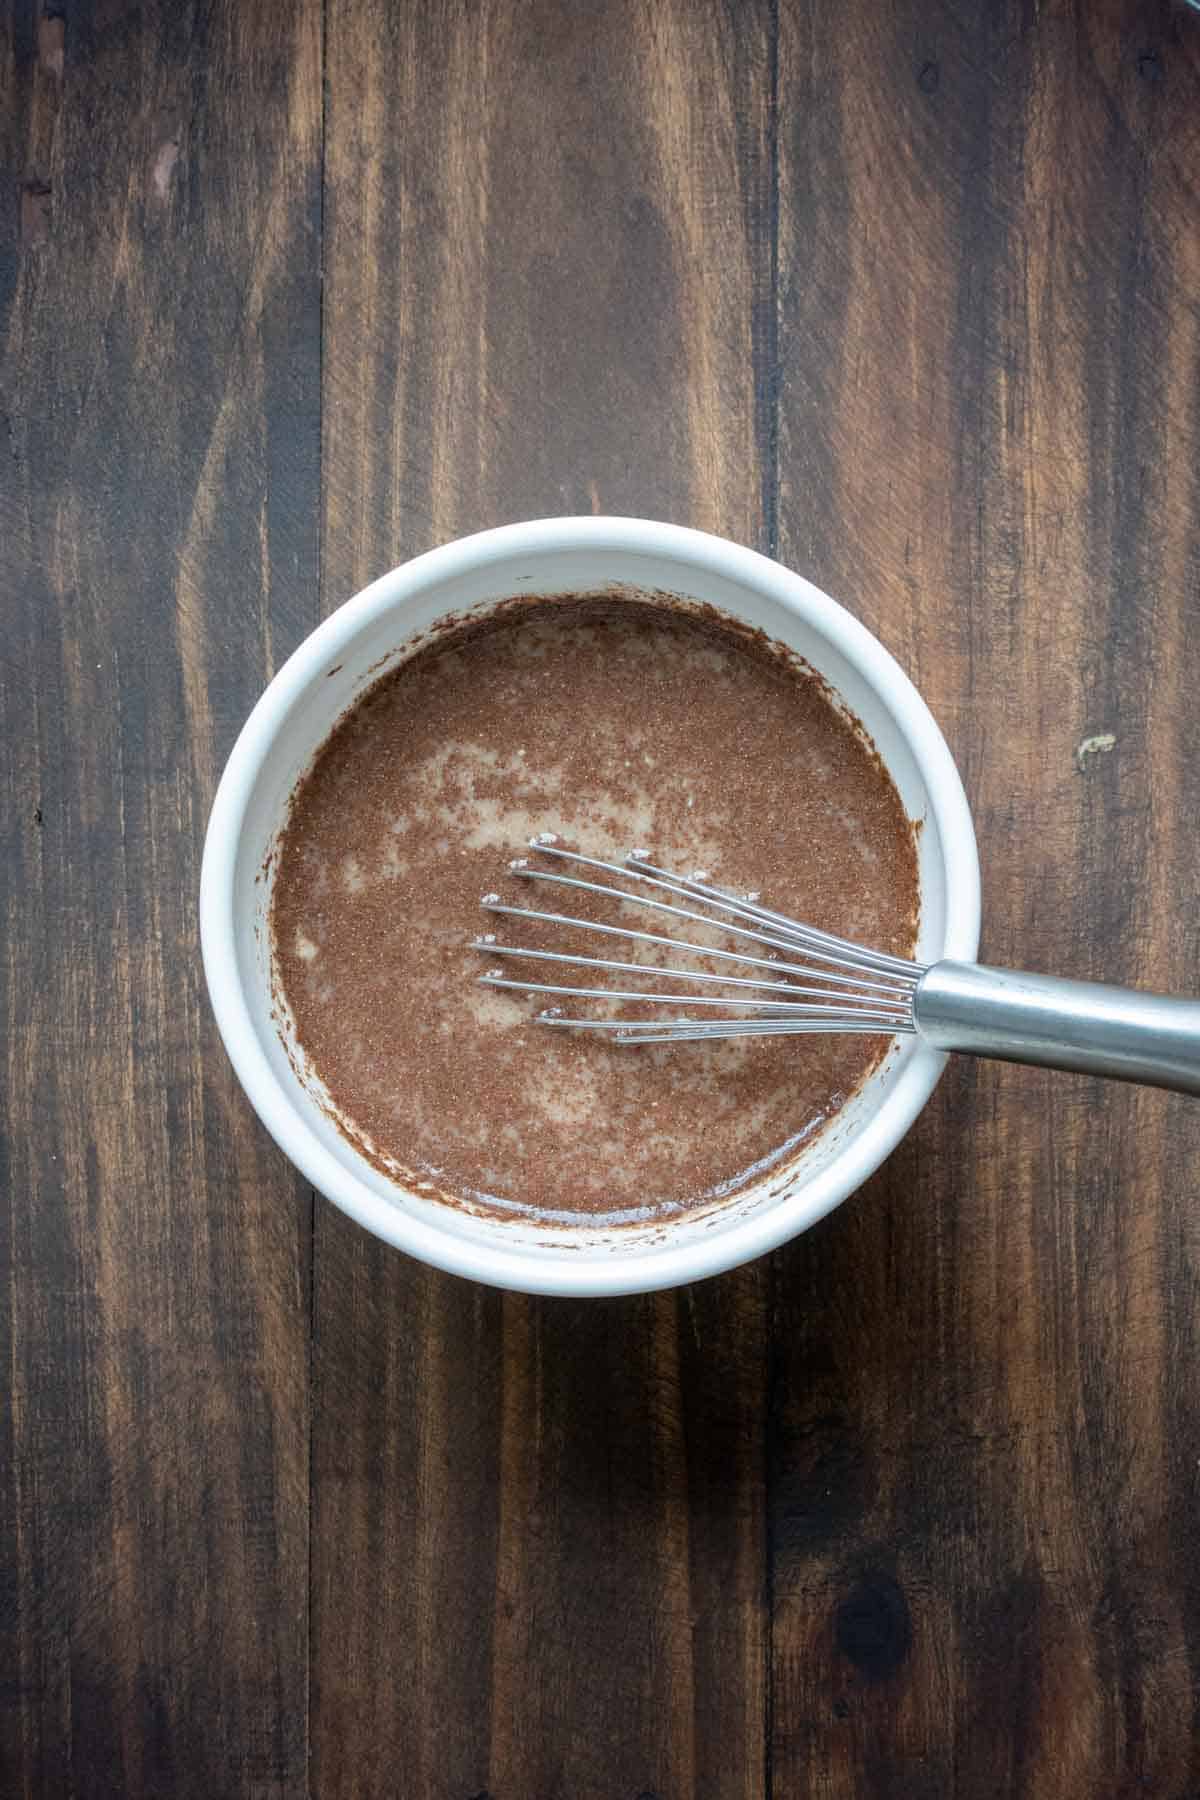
828 983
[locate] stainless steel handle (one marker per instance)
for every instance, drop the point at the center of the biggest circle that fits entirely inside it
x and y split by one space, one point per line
1061 1024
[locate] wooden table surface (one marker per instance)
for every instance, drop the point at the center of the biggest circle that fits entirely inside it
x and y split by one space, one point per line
906 294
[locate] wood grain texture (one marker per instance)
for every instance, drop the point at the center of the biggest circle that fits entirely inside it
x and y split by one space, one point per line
984 1464
538 1537
909 294
159 460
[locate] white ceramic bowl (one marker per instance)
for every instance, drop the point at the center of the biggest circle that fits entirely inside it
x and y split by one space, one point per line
297 712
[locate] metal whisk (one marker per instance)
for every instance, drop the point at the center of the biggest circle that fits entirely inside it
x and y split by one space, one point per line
806 980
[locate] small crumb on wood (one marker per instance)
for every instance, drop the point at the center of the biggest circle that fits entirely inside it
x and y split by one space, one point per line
1094 746
51 45
164 167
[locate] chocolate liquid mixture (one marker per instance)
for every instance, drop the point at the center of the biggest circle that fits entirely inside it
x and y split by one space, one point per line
614 723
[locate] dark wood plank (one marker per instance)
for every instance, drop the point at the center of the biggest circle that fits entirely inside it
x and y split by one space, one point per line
159 464
541 1529
986 1433
538 1527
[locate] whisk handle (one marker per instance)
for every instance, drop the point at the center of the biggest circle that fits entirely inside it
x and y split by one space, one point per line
1061 1024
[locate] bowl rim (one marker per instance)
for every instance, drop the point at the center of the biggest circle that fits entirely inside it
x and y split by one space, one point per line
577 1271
